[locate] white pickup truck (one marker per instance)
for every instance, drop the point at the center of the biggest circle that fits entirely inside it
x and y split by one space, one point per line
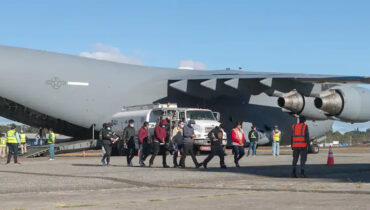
205 120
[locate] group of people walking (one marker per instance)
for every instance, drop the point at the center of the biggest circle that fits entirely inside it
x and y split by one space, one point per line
179 142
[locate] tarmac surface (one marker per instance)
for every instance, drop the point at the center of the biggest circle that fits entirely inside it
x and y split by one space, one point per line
263 182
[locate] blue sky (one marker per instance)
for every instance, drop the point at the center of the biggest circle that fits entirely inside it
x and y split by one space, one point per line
331 37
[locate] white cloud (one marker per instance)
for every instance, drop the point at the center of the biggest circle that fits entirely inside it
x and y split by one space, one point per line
191 65
109 53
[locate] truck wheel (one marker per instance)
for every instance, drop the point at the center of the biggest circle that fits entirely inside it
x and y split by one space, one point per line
314 149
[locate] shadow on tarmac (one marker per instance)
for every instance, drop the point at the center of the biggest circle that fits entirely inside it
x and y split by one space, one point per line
99 165
339 172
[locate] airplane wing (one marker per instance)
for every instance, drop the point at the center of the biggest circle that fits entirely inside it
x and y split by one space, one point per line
257 82
315 78
297 93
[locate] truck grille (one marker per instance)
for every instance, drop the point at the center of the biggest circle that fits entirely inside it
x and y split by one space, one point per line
208 129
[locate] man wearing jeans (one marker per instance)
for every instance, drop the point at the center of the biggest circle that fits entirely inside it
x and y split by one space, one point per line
130 142
253 139
276 134
13 140
178 141
144 142
51 142
238 137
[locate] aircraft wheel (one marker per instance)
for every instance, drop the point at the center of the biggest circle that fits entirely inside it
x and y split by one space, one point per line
314 149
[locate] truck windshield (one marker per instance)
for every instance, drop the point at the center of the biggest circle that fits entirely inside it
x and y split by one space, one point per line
200 115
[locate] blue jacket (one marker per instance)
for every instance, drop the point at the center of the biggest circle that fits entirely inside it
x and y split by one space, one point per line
188 134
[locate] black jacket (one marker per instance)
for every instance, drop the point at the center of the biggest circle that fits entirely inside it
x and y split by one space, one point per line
129 135
106 135
253 136
216 135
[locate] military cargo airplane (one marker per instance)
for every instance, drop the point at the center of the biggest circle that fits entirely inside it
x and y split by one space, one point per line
72 93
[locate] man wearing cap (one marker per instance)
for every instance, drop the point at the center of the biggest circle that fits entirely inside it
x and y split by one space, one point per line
216 136
188 147
276 135
108 140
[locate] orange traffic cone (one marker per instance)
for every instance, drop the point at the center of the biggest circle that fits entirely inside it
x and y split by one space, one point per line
330 157
83 153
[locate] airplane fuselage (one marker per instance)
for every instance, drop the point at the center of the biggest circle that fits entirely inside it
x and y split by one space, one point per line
72 93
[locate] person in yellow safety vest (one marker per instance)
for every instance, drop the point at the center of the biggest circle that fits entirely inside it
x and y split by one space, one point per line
276 136
13 141
51 143
2 145
23 142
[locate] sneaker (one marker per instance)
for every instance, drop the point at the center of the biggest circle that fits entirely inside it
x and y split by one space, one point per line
103 164
205 165
51 159
166 166
237 165
198 165
130 164
151 166
108 165
223 167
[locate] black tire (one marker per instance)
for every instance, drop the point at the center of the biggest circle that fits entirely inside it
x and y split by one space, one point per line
314 149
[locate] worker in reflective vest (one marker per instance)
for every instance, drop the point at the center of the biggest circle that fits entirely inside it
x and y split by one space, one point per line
2 145
51 142
13 141
23 142
276 136
238 137
300 141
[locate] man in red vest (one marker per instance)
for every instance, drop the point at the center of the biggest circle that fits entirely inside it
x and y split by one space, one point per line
300 142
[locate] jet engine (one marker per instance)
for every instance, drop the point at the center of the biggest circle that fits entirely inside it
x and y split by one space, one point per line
350 104
298 104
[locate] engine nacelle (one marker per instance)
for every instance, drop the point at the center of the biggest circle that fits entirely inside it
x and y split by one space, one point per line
300 105
350 104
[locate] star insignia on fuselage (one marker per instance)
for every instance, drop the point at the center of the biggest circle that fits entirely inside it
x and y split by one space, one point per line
56 83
